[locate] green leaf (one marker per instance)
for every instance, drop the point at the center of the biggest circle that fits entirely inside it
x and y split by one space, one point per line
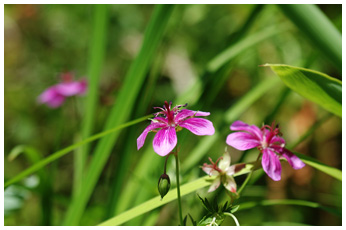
156 202
315 86
315 25
171 195
331 171
252 204
96 58
63 152
126 101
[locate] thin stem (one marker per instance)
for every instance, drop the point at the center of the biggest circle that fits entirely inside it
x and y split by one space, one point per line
248 176
164 169
234 218
178 186
245 182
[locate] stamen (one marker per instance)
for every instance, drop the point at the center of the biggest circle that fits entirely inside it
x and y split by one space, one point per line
220 158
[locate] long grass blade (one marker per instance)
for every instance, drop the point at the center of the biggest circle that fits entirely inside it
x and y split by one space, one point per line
252 204
56 155
315 86
318 28
331 171
122 109
96 57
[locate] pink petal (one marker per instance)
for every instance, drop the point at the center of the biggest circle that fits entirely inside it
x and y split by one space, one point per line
215 184
292 159
241 126
165 140
271 164
198 126
242 141
51 97
72 88
185 113
141 138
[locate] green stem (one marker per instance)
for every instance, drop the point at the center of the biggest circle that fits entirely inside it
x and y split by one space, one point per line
234 218
178 187
248 176
245 182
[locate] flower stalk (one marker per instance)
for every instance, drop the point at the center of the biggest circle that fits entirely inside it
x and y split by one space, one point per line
178 187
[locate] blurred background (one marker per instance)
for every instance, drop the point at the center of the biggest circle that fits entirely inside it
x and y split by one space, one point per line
43 41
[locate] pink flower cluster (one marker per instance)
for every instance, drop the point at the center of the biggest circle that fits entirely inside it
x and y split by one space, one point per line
267 140
55 95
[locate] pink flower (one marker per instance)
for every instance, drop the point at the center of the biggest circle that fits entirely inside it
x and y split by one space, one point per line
55 95
270 143
171 121
223 172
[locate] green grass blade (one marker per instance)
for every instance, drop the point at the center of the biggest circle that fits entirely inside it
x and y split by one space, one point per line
248 205
60 153
242 104
171 195
29 152
315 25
122 109
315 86
156 202
198 152
239 47
96 57
193 94
122 169
45 187
331 171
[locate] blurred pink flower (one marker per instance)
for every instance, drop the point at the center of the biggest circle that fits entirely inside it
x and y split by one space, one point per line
268 141
171 121
55 95
223 172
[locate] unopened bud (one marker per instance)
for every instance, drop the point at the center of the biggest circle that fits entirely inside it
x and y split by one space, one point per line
164 184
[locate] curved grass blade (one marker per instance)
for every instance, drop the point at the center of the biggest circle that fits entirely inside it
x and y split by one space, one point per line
241 105
315 25
68 149
331 171
193 94
237 48
156 202
252 204
171 195
313 85
45 187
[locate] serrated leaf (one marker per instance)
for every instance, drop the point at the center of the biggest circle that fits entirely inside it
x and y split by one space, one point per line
313 85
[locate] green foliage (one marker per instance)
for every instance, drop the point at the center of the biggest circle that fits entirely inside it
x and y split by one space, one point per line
54 156
318 28
313 85
334 172
137 56
215 211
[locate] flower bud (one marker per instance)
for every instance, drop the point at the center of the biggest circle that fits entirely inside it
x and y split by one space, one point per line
164 185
